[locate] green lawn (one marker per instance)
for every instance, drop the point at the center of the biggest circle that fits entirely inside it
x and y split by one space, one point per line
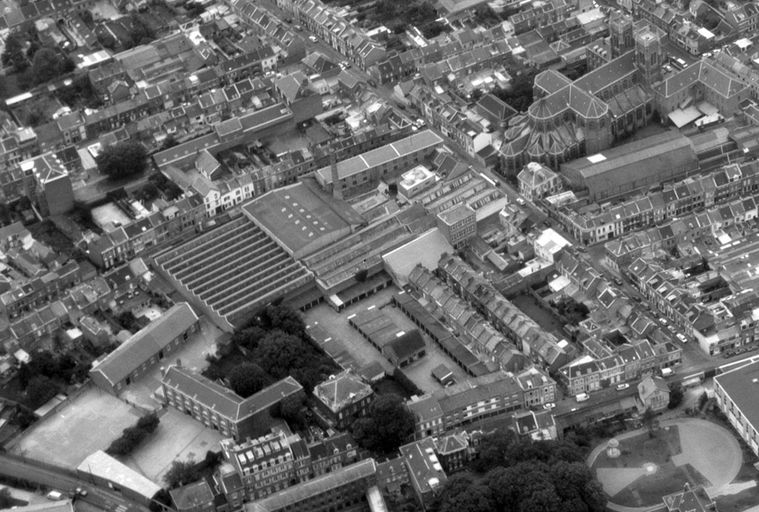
641 449
648 490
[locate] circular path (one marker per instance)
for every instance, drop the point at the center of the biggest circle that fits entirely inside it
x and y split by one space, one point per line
706 447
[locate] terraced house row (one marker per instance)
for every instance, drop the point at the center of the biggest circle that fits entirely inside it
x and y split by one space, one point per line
528 336
689 195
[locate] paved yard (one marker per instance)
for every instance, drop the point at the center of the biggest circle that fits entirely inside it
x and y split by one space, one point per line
178 437
420 372
337 325
364 352
192 355
82 426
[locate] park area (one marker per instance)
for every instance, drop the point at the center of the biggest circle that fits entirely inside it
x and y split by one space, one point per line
637 468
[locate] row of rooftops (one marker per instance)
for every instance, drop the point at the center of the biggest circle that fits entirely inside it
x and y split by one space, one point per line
485 337
706 221
501 310
636 353
661 204
457 398
141 227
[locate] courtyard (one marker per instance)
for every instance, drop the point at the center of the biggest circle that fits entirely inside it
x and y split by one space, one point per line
684 451
66 437
364 353
178 437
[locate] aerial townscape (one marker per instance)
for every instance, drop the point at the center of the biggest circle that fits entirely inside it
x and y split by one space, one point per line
379 255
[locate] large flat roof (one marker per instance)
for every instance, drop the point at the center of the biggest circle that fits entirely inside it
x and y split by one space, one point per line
297 216
104 466
669 143
742 386
381 155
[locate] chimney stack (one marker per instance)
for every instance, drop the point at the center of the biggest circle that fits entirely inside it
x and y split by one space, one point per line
337 189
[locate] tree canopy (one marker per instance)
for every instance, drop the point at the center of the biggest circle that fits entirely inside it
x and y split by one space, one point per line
131 437
386 426
524 476
47 64
122 159
247 379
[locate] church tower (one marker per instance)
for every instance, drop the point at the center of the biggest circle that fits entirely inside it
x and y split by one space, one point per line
649 54
621 37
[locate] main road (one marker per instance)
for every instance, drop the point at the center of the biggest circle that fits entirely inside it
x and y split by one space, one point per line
97 499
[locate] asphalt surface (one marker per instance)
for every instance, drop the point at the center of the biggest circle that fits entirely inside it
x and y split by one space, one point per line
97 499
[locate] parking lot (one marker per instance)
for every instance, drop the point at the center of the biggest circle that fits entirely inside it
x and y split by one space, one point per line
66 437
363 351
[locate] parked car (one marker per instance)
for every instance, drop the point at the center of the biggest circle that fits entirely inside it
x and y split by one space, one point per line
54 496
549 406
663 321
680 336
623 386
582 397
312 39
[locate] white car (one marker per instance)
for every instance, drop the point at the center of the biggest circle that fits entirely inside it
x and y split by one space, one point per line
663 321
549 406
623 386
312 39
680 336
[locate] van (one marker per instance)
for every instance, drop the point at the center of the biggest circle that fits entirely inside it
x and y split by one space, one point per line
54 496
582 397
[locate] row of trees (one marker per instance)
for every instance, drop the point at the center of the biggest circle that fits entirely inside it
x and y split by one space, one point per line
514 474
131 437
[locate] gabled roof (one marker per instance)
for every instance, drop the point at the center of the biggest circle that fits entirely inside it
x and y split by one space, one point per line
145 343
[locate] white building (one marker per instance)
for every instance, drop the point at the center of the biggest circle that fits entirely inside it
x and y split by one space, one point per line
548 244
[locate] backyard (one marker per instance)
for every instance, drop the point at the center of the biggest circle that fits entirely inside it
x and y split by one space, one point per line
544 317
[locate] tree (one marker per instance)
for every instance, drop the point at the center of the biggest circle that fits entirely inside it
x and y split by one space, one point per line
649 421
387 425
169 142
122 159
291 410
702 400
148 423
463 494
46 65
248 338
247 379
131 437
519 95
361 275
181 473
676 395
40 390
280 353
13 54
493 450
6 500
